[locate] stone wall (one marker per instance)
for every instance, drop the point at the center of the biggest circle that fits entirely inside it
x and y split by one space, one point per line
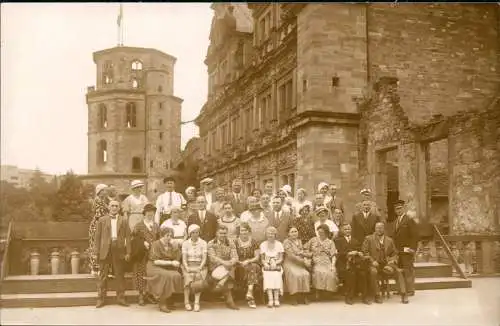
444 55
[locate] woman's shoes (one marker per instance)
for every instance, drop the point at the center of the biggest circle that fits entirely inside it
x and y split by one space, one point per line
188 307
251 304
270 304
163 308
276 303
196 307
141 300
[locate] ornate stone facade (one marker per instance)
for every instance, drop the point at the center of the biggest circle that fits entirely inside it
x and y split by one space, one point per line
134 118
368 81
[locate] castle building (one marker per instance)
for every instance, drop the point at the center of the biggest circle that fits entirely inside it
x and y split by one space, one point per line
350 93
133 118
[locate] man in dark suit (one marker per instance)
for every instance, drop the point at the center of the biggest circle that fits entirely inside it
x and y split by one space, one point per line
406 240
351 265
279 218
236 198
112 248
363 223
206 220
384 260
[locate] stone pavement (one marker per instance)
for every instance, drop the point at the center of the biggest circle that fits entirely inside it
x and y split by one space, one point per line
479 305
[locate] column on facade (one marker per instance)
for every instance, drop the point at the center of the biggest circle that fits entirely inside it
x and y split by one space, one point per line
408 177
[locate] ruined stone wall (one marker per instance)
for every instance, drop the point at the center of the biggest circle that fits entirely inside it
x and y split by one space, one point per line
444 55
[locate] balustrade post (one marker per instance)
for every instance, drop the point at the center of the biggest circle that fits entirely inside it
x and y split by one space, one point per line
34 262
75 261
55 260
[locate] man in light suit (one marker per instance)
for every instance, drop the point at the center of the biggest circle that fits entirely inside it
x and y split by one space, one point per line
406 239
279 218
236 198
112 248
208 188
333 200
170 198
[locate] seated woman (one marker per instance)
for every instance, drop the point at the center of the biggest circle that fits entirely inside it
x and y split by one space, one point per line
145 233
176 223
222 259
162 270
194 266
304 224
295 266
271 255
229 220
324 274
248 272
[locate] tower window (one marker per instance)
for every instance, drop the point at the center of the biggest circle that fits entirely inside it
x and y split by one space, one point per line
160 105
131 120
107 72
102 152
103 116
136 164
160 149
136 65
151 164
135 83
161 135
160 122
160 89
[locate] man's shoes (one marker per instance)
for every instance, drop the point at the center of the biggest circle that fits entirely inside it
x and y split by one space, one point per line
349 301
410 293
164 308
367 301
122 302
378 299
100 303
404 299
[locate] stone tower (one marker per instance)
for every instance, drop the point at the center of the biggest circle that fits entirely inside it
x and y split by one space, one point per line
133 118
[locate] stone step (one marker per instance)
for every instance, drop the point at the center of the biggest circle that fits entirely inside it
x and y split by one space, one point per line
88 298
87 283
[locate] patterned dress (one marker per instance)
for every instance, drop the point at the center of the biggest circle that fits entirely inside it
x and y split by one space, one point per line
233 226
324 275
305 226
251 273
163 281
221 250
99 208
143 232
297 277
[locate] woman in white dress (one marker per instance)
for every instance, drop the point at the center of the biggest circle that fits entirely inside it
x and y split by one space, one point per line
271 255
323 215
134 204
178 226
301 201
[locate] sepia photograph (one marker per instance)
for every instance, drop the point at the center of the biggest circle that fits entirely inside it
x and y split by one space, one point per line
233 163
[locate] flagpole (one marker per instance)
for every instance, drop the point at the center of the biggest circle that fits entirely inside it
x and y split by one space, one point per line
120 26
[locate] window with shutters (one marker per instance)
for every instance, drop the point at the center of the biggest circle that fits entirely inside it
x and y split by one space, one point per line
131 118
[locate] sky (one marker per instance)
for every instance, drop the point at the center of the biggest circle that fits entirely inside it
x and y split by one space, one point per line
46 66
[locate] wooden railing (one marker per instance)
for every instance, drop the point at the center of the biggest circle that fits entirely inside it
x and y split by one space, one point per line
448 251
5 256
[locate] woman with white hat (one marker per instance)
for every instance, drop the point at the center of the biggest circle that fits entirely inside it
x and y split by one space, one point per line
134 204
99 209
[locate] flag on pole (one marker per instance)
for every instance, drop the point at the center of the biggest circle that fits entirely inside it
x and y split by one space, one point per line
120 16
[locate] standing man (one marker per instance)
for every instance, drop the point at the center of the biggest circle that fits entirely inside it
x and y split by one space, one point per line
333 200
406 240
167 200
279 218
112 248
236 198
269 189
206 220
366 195
363 223
207 187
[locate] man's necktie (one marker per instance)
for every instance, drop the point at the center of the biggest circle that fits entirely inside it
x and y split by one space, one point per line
169 199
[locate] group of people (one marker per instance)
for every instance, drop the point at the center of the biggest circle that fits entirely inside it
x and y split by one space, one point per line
268 242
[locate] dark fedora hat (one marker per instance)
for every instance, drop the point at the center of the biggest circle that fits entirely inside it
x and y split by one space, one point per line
148 208
399 202
169 178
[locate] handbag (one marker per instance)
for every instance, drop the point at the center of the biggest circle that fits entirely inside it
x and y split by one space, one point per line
198 284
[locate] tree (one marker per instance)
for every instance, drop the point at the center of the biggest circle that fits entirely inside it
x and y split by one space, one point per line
71 200
42 193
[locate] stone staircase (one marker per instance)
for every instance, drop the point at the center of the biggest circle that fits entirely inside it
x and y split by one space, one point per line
80 290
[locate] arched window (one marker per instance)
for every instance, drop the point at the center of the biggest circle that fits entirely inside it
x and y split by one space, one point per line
107 72
136 65
135 83
103 116
102 152
160 89
136 164
131 120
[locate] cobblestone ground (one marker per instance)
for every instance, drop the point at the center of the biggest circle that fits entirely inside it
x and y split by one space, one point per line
479 305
